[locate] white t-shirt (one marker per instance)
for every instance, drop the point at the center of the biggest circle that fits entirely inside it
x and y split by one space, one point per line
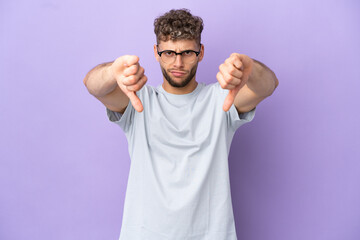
178 186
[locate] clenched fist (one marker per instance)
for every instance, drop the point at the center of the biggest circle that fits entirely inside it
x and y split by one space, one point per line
130 78
233 75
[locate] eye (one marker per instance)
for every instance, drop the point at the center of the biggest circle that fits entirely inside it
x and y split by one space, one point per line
168 53
188 53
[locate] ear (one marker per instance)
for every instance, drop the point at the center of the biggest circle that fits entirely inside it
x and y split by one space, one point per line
156 54
201 55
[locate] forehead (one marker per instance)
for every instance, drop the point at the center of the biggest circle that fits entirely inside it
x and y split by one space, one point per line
178 45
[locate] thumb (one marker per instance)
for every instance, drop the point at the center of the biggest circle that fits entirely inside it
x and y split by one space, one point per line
230 98
135 101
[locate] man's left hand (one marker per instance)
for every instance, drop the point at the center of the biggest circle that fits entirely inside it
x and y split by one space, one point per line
233 75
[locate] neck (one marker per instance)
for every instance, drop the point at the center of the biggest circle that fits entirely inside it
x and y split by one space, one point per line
190 87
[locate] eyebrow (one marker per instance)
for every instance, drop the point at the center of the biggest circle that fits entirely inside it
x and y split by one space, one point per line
182 50
176 51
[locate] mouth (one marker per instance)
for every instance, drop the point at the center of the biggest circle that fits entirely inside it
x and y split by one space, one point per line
177 73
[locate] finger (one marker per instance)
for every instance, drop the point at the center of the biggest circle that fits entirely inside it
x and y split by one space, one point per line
224 84
238 63
231 74
138 85
234 60
135 101
230 98
121 63
131 70
133 79
247 63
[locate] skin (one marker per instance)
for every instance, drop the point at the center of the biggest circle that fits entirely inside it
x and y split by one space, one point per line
178 71
116 83
248 81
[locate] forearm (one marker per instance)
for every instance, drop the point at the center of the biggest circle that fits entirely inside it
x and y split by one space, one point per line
99 81
262 80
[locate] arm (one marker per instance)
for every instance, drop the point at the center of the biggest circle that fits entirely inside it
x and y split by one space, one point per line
262 83
104 87
115 83
249 82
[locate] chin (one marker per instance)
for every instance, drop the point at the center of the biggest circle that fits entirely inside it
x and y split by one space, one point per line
178 84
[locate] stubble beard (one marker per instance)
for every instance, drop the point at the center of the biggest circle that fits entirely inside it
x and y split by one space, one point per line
184 82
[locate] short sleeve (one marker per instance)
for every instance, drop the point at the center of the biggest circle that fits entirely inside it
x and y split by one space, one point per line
235 119
124 120
127 120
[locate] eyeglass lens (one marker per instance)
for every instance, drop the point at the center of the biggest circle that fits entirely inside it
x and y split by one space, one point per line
186 56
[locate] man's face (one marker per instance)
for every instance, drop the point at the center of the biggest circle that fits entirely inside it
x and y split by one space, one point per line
179 72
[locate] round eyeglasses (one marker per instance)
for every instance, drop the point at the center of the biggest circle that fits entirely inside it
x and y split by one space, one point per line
187 56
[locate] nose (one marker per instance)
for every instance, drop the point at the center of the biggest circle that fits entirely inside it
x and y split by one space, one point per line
178 61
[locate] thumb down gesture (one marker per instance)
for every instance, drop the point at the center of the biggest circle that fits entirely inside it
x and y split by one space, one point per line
233 75
130 78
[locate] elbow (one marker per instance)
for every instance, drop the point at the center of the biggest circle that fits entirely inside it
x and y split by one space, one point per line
85 81
276 81
271 88
88 86
275 84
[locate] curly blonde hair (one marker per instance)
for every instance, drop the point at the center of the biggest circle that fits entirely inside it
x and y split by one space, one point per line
178 24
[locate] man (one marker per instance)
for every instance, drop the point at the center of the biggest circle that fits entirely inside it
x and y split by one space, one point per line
179 133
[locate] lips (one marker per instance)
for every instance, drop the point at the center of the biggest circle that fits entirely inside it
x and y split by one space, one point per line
177 73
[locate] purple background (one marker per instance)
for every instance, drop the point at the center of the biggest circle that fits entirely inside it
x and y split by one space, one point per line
295 170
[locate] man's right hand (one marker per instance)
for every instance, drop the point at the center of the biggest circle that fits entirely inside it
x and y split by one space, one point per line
130 78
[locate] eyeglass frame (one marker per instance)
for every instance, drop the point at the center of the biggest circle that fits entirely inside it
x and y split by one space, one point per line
178 53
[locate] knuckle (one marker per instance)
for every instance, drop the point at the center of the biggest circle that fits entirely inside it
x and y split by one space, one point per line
131 70
222 67
131 79
234 57
136 67
219 77
228 79
223 84
232 71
